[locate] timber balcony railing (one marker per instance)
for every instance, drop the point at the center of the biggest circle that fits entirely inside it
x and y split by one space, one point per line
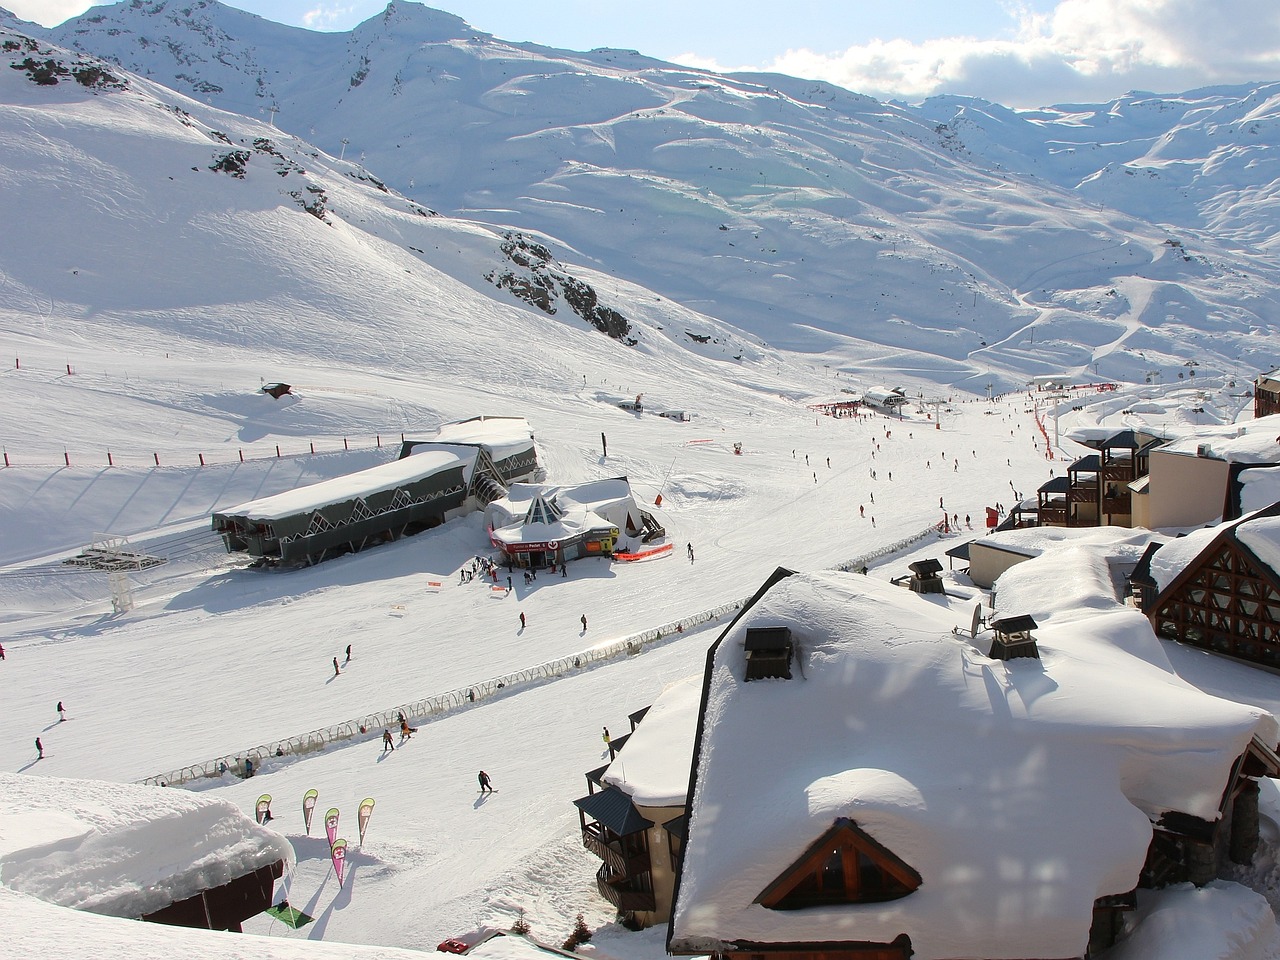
612 888
1120 504
1084 491
1053 514
611 853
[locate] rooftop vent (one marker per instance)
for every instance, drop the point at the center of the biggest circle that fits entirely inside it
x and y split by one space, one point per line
926 576
1013 638
768 653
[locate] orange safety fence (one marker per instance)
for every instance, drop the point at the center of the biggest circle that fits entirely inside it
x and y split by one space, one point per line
645 554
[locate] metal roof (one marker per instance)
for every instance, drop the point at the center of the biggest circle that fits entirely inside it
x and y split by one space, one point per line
1055 485
768 638
613 809
960 552
1014 624
1125 438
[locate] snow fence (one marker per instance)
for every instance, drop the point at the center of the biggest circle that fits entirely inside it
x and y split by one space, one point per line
370 726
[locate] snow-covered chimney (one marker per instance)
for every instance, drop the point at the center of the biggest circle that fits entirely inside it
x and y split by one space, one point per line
1013 638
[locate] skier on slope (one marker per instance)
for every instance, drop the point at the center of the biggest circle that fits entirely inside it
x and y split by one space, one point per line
485 784
39 749
386 740
62 713
584 623
336 671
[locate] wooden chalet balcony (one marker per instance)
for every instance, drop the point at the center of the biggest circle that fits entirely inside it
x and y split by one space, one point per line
613 888
1122 470
610 851
1118 504
1053 514
1084 491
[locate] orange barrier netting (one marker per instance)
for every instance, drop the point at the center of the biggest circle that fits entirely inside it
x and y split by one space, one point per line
645 554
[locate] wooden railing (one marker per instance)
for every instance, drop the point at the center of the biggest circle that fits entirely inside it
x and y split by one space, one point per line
622 898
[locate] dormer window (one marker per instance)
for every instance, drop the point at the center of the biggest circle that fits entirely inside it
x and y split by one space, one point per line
769 651
845 865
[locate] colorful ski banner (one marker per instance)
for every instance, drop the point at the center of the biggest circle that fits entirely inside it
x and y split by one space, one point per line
339 853
308 807
331 825
366 811
262 812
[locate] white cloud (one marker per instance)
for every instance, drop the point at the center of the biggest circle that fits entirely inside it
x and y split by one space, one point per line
324 17
1083 50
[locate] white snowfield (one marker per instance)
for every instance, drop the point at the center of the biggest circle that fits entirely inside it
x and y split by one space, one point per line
173 291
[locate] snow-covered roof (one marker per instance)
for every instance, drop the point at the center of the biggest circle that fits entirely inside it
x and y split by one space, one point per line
502 436
585 506
1070 574
1262 536
1259 488
1019 791
1259 531
34 928
363 483
121 849
1254 441
653 767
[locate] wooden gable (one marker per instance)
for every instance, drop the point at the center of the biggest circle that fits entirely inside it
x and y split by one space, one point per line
1226 600
844 865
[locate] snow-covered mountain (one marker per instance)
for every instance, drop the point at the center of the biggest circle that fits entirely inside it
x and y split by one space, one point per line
958 240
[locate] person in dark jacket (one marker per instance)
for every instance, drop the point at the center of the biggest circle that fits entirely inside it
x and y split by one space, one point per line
336 671
62 713
485 785
39 749
386 740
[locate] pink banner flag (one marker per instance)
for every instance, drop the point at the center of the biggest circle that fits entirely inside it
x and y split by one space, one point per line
331 825
308 807
366 811
339 853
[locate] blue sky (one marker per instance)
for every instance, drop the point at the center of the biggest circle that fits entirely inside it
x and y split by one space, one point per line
1019 52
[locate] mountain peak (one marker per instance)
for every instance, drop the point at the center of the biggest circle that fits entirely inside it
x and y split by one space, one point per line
406 20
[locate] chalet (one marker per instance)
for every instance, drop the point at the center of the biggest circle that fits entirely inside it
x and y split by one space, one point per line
903 794
121 850
1096 490
536 525
633 815
1266 394
1219 588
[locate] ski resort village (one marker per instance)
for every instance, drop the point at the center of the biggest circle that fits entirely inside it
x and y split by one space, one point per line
463 495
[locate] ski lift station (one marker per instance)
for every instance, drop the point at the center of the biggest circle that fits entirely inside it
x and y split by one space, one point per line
884 398
467 465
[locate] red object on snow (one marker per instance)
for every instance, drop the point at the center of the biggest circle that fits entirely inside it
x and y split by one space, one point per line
993 518
453 945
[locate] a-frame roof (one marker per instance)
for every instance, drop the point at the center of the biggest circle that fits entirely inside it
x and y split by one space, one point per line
844 834
543 510
1238 533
